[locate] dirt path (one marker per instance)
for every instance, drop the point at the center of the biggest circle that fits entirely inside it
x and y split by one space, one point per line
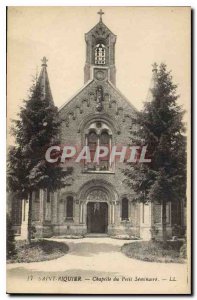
97 264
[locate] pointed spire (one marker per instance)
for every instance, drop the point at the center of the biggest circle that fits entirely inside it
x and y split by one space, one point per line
43 81
154 70
153 83
100 12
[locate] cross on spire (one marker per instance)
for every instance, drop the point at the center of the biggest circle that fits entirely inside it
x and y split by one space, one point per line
100 12
44 61
155 65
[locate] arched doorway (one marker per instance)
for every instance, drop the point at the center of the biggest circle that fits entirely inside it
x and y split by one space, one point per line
97 217
97 211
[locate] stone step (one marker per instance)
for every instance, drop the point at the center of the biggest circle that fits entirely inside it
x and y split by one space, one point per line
96 235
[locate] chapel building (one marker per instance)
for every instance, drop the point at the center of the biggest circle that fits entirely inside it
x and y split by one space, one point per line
96 199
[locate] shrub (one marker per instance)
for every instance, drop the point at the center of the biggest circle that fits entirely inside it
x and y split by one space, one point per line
154 251
38 250
178 230
183 251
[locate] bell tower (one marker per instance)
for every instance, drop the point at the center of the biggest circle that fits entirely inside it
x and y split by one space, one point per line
100 53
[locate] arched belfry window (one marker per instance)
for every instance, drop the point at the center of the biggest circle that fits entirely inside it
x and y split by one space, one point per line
125 209
100 53
69 207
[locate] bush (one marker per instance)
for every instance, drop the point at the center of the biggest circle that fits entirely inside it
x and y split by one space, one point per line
154 251
10 247
183 251
38 250
178 231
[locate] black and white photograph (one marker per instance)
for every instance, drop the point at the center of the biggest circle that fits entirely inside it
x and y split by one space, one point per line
98 150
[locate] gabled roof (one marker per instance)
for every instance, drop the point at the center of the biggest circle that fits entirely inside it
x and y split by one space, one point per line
93 81
75 95
122 96
100 29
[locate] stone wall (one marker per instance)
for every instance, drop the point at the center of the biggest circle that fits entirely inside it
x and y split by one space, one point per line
117 113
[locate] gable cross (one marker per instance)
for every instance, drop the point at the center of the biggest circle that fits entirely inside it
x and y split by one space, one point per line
100 12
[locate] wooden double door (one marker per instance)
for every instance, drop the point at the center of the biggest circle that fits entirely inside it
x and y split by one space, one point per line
97 217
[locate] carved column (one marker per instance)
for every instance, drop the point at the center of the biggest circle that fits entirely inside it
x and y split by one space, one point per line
24 224
54 208
110 148
110 213
81 214
41 206
113 213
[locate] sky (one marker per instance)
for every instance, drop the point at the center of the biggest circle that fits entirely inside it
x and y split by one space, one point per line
144 35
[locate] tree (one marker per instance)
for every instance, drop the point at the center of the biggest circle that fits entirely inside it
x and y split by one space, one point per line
36 129
160 127
17 173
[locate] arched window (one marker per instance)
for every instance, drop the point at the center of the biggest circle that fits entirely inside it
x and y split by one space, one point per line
98 134
69 207
92 139
92 143
125 209
104 138
104 141
100 54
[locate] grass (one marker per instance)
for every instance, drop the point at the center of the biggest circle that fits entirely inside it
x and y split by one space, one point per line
38 250
154 251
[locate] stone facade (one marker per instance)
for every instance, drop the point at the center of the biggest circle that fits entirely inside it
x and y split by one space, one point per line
96 198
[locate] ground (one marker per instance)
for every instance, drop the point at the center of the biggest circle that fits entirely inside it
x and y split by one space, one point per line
99 267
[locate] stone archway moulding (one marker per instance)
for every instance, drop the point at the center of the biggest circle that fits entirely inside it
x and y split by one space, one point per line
98 189
98 185
100 117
